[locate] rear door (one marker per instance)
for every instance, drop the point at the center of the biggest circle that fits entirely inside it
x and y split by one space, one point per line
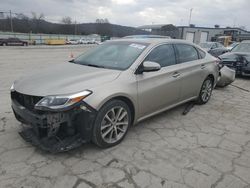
191 69
159 89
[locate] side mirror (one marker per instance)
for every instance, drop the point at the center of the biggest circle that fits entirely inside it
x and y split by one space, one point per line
149 66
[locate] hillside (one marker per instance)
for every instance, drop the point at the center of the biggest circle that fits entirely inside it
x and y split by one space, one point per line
42 26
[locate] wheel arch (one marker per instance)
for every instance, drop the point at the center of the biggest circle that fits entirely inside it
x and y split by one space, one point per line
126 100
212 77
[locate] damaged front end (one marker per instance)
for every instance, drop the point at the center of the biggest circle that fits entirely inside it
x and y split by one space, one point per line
53 131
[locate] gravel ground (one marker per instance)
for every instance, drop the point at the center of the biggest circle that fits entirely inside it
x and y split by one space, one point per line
209 147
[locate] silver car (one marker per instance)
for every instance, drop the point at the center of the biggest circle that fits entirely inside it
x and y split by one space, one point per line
100 94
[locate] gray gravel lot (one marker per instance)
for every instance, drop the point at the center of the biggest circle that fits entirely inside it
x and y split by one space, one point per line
209 147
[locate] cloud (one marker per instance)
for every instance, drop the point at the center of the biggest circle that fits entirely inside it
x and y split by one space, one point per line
139 12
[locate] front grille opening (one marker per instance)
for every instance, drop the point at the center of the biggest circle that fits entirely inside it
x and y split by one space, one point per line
27 101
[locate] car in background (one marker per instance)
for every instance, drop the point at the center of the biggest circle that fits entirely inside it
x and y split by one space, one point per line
72 41
214 48
13 42
146 36
231 46
87 41
100 94
238 59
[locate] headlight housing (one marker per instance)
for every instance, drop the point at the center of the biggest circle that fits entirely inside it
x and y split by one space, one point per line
60 102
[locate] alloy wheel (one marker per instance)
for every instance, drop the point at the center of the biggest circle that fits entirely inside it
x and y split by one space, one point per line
114 124
206 90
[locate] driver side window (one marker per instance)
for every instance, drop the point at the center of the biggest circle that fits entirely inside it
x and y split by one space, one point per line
164 55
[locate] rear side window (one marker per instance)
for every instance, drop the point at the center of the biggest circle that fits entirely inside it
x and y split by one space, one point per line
164 55
186 53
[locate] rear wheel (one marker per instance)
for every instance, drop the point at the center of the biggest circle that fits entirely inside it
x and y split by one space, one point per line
111 124
4 44
206 91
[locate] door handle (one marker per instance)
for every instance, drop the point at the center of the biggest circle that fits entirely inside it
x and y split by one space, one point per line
203 66
176 74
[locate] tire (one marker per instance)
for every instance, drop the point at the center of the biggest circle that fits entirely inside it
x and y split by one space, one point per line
206 91
4 44
112 123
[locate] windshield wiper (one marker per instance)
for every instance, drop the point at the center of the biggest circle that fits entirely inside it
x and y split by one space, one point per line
91 65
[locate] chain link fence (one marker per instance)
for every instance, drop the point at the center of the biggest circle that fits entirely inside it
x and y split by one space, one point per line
38 39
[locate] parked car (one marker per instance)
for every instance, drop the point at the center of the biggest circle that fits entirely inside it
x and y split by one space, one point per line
101 93
234 44
87 41
214 48
72 41
13 42
238 59
146 36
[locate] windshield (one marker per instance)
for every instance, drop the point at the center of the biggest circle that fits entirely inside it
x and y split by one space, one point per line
112 55
206 45
243 47
233 44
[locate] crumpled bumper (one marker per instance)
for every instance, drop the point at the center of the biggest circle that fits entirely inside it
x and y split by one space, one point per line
227 76
56 131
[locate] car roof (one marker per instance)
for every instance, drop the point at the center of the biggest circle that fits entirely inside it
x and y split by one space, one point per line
147 36
152 40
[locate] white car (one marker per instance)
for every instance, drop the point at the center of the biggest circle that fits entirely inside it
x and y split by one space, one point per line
72 41
87 41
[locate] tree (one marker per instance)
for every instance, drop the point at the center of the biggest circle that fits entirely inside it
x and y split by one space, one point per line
67 20
102 21
37 20
35 16
22 16
2 15
243 27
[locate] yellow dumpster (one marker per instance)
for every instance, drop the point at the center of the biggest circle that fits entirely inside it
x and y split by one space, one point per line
55 41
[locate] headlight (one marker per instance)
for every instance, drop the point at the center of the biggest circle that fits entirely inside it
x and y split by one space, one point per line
61 101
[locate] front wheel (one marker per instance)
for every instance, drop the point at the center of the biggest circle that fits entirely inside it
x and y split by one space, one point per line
206 91
111 124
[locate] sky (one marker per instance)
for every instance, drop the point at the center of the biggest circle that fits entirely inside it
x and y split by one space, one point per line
205 13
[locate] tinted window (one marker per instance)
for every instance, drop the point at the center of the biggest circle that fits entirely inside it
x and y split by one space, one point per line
186 53
164 55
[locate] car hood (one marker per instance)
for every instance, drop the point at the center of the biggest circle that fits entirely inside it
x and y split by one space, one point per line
235 56
64 78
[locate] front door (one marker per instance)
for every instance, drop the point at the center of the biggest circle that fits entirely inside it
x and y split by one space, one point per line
159 89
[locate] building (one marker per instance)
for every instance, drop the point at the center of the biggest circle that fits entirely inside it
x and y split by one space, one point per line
197 34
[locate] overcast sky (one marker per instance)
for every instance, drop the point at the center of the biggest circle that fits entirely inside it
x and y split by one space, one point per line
139 12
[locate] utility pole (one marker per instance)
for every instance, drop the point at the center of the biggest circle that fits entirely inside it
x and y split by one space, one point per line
190 16
11 24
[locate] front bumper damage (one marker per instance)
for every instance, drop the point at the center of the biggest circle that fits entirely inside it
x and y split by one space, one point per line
227 76
54 131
